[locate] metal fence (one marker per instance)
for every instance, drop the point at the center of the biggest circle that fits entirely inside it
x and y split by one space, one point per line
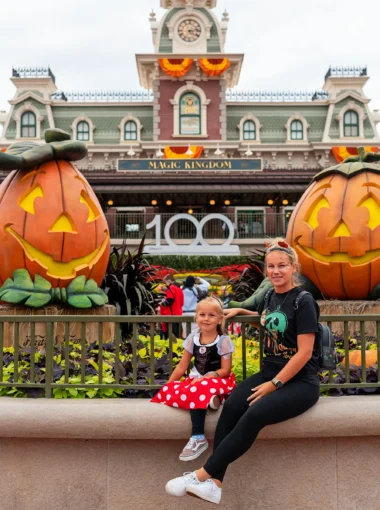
247 225
55 365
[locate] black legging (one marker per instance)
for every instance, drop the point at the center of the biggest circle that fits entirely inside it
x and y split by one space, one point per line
198 418
239 424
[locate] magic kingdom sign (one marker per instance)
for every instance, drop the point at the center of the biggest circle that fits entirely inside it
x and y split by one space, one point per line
149 165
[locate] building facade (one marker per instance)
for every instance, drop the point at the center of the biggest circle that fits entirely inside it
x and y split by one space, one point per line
191 143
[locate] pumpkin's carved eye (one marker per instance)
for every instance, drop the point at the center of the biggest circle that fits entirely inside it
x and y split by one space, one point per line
373 206
312 214
93 213
26 202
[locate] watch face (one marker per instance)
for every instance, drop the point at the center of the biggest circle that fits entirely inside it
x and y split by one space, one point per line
189 30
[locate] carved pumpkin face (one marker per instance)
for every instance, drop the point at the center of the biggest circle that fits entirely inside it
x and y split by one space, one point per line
51 224
335 230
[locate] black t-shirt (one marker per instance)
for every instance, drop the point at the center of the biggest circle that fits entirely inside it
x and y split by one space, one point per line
282 323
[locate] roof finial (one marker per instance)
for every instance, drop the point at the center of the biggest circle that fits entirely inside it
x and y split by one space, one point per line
226 16
152 16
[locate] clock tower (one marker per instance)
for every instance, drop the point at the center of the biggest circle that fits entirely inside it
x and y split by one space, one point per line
189 73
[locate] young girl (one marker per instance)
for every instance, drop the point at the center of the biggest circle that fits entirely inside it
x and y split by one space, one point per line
210 380
286 386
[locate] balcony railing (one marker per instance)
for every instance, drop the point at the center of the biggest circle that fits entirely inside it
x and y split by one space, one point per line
246 225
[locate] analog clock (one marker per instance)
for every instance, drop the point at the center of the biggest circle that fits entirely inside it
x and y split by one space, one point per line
189 30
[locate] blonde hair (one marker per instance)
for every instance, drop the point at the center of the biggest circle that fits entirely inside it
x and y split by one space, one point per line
221 328
279 244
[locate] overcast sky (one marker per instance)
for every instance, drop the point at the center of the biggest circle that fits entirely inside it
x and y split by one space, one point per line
287 44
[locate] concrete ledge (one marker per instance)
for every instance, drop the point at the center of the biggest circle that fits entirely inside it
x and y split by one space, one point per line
141 419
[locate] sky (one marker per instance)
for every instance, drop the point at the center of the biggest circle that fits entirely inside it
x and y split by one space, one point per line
92 45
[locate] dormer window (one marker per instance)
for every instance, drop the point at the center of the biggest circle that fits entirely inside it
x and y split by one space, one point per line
296 130
351 123
130 131
249 130
83 131
28 125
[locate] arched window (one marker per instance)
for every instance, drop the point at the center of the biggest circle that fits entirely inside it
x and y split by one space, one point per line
28 125
130 130
249 130
296 130
351 123
83 131
190 114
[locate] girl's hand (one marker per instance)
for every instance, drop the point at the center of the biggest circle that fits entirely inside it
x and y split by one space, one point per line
197 379
260 391
231 312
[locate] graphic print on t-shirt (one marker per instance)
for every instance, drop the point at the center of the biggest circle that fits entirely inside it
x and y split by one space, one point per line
275 324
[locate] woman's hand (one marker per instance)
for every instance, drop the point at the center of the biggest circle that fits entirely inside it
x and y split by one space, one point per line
196 380
260 391
231 312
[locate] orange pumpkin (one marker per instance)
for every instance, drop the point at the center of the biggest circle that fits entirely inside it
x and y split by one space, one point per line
335 229
51 224
355 358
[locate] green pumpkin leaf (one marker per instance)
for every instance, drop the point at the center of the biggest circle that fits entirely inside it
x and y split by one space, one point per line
14 296
22 279
41 284
79 301
91 286
77 285
97 299
38 300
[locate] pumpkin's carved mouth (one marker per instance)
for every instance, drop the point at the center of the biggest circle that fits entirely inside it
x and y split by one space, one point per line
62 270
339 257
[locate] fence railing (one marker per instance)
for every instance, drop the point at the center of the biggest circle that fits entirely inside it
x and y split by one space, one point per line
47 362
246 225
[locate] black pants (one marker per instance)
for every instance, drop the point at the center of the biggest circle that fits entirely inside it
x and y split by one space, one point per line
176 329
239 424
198 418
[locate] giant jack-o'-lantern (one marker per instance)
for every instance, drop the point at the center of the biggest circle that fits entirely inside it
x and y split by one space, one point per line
51 223
335 228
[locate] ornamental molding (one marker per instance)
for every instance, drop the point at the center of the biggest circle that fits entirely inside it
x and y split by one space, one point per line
29 95
352 95
140 127
240 127
305 126
190 87
351 105
28 107
91 125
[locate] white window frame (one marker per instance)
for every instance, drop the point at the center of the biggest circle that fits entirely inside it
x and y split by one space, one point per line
241 129
121 126
26 108
305 124
74 126
175 102
351 105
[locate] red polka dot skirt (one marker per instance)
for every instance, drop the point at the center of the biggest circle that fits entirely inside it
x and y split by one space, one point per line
194 395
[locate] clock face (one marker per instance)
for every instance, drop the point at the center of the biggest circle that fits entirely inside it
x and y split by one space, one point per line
189 30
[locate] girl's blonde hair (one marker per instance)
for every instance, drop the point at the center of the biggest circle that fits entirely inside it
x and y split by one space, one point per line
279 244
221 328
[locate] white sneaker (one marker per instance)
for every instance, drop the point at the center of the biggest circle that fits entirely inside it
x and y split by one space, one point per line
177 486
193 449
207 490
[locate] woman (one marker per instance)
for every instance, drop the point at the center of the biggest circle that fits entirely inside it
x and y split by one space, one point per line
286 386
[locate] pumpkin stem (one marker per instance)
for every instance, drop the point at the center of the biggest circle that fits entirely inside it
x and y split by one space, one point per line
362 154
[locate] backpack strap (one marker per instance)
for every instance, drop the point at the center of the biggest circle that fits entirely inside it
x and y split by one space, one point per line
267 297
298 299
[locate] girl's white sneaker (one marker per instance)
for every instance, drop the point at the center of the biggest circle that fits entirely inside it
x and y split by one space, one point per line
177 486
207 490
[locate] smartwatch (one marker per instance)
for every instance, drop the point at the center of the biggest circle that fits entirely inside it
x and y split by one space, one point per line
277 383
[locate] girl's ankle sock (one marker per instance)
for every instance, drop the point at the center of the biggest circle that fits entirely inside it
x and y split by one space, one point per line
198 436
